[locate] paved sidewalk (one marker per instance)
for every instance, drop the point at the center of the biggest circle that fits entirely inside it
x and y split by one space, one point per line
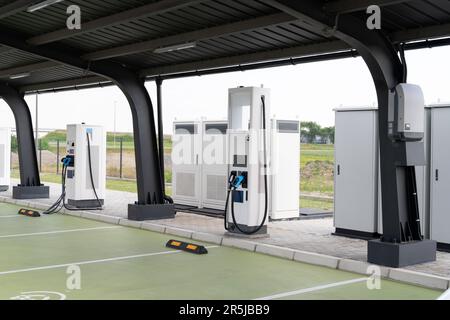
306 235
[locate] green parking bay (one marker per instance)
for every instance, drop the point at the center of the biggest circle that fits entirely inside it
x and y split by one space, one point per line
115 262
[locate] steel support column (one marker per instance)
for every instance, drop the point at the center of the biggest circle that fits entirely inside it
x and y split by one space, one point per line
30 186
152 203
401 244
159 83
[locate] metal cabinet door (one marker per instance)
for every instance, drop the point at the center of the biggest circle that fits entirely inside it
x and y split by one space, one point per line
356 171
186 164
214 165
440 175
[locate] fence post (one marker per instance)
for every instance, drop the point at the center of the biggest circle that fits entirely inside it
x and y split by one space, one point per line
40 155
121 159
57 156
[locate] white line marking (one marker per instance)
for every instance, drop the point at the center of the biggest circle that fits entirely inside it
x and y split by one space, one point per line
55 232
14 216
56 266
303 291
445 295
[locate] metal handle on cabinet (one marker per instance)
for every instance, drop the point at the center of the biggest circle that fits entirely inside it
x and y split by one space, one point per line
437 174
339 170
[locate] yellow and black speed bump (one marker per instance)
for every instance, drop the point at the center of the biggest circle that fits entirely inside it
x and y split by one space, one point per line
29 213
187 247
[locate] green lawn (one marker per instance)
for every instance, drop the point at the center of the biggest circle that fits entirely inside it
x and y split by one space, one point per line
316 204
317 169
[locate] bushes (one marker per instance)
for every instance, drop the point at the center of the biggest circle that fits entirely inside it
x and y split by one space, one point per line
13 144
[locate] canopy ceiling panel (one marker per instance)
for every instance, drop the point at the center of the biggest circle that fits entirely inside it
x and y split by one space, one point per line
174 36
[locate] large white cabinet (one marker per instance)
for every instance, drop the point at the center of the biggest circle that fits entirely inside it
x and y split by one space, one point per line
356 172
439 175
5 158
358 197
285 168
214 164
199 166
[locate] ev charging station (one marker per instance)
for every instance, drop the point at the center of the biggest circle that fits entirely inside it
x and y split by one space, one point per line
5 159
247 207
86 166
214 159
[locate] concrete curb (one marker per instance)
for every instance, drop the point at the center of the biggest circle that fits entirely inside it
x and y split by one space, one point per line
360 267
316 259
207 237
275 251
100 217
179 232
153 227
239 244
354 266
131 224
421 279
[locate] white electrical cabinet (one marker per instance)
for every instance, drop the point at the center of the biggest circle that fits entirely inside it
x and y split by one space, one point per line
200 166
186 163
356 172
250 147
285 169
5 159
214 169
440 174
87 146
358 201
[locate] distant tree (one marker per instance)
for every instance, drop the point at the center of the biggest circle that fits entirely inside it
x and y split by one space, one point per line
310 130
328 133
13 144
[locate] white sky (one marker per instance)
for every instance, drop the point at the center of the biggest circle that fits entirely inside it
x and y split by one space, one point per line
308 91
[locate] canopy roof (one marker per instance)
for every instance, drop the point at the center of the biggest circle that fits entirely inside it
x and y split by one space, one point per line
172 36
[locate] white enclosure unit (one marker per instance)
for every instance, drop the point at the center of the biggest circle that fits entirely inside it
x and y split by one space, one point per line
87 147
358 200
249 145
285 169
440 175
5 158
186 163
356 172
214 164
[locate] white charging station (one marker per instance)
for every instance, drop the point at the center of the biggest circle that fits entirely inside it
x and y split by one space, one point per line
5 159
248 206
86 174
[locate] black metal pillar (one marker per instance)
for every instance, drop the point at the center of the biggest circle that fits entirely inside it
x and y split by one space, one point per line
159 82
152 203
400 244
30 186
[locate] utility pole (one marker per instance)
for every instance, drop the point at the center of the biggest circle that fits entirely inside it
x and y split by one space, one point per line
115 123
37 121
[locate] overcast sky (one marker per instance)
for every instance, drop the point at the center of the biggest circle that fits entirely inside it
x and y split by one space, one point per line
309 92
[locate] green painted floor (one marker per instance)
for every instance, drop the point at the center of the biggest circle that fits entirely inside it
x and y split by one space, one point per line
123 263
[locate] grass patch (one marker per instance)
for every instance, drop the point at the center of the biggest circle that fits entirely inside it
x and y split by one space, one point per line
317 169
326 205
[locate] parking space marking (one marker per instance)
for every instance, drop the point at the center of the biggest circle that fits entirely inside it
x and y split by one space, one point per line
313 289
